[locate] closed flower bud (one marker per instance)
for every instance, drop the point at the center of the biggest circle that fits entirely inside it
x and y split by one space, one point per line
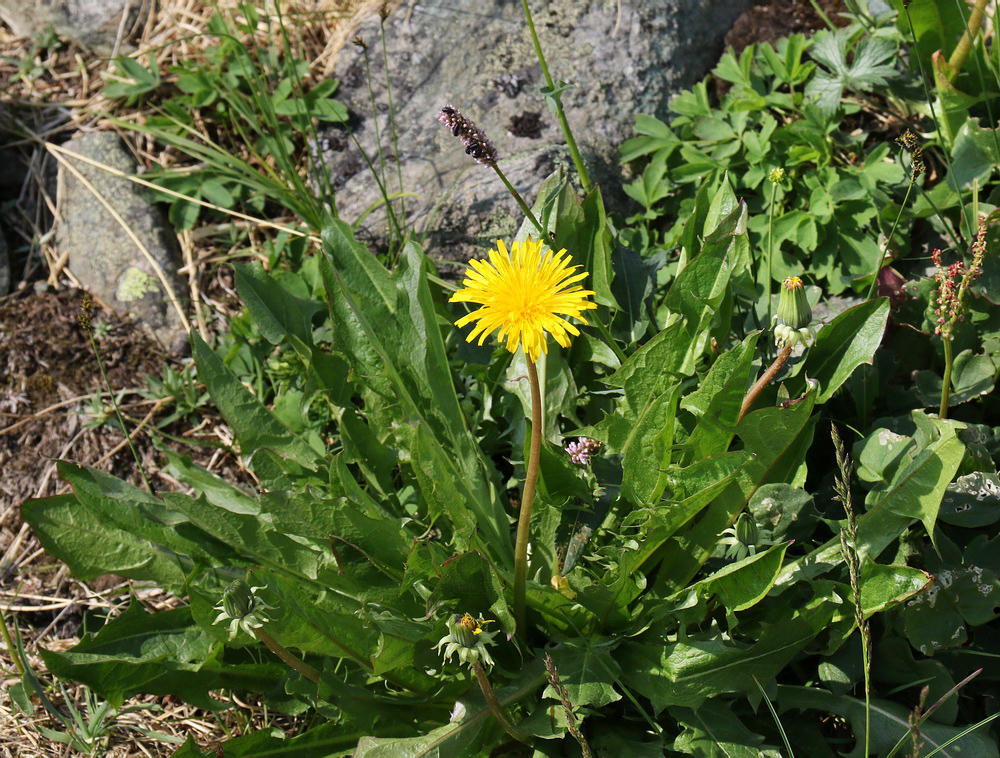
467 637
793 305
792 322
242 608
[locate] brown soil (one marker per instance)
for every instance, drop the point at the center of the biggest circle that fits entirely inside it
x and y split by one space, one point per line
770 20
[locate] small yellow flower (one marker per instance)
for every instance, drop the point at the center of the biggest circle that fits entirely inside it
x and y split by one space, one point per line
524 293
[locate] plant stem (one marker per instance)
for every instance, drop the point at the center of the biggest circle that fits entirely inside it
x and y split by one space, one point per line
946 381
888 240
770 249
560 113
961 51
527 498
392 126
85 323
765 380
494 705
299 665
523 205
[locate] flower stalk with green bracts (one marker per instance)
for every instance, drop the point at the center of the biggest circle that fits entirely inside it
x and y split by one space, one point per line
524 294
793 324
468 639
244 610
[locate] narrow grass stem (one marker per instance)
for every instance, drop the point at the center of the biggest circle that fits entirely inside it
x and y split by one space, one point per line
560 113
946 380
279 650
888 240
14 652
494 705
770 249
527 499
523 205
765 379
392 127
85 323
822 15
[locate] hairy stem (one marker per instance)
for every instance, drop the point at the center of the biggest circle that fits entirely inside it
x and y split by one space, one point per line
299 665
527 498
494 705
765 380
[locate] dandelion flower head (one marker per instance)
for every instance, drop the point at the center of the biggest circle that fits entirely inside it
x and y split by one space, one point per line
524 293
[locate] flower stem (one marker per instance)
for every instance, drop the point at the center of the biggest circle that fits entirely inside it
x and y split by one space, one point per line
523 205
765 380
961 51
527 498
873 287
770 249
946 381
494 705
560 113
275 647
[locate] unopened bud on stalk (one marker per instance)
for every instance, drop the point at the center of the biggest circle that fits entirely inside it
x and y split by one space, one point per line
242 608
794 313
467 636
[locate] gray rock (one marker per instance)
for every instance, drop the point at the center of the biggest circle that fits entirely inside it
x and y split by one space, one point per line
477 55
93 23
101 252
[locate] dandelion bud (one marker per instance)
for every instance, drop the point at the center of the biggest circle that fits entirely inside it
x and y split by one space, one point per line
467 636
242 608
237 601
794 313
793 305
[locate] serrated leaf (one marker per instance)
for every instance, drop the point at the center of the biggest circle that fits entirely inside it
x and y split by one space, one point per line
588 670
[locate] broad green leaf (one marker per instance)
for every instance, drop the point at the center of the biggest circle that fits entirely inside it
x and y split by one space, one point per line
318 742
972 501
844 344
688 672
743 584
254 426
698 291
108 526
717 401
469 584
388 325
140 652
777 440
275 310
714 731
916 492
589 671
642 426
589 243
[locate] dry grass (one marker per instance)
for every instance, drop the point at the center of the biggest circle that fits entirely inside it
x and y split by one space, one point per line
43 604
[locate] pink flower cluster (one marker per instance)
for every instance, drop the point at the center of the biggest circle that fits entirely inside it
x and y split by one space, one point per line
952 283
581 450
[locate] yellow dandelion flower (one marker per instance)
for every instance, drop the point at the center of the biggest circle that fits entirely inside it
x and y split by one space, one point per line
524 293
